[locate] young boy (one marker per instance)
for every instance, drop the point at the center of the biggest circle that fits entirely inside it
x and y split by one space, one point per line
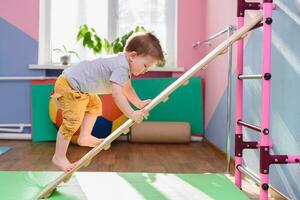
76 91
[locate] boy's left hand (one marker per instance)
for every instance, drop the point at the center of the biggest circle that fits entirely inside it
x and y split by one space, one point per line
144 103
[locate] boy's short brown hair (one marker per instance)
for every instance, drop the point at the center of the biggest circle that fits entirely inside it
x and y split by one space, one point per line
145 44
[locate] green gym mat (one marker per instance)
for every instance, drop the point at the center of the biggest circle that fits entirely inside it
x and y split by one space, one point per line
184 104
116 186
42 127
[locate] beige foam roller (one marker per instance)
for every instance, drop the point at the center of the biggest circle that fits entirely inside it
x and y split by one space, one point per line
161 132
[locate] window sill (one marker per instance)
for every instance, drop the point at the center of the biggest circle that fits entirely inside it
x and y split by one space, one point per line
61 67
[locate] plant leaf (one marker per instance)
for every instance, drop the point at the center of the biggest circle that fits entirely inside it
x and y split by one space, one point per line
99 48
140 29
97 39
143 29
106 46
98 45
117 47
90 44
58 50
83 29
93 30
65 49
86 39
125 38
74 52
137 28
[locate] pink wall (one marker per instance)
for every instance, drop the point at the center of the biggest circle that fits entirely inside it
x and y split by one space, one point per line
220 15
191 28
22 14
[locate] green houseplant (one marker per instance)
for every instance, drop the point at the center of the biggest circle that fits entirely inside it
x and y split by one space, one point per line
94 42
65 59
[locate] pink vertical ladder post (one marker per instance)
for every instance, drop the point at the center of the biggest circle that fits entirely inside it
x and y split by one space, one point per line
239 103
266 93
266 159
242 6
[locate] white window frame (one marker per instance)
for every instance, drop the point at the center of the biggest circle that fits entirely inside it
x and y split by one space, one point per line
44 32
44 47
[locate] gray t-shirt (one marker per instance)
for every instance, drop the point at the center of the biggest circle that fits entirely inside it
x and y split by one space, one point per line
94 76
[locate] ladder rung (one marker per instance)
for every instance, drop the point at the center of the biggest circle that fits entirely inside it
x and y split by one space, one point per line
251 126
253 76
244 170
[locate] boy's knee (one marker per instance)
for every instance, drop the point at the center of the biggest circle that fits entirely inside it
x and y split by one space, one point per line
68 128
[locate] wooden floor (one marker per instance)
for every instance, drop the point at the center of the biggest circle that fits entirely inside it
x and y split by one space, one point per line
124 157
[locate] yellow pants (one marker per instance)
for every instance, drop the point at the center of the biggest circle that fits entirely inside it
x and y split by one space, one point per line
74 106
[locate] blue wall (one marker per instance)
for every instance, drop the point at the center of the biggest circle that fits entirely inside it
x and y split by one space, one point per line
285 106
17 51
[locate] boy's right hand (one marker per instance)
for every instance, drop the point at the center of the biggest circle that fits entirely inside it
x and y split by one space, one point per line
138 115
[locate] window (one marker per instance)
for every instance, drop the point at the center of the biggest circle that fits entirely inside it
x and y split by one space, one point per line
60 21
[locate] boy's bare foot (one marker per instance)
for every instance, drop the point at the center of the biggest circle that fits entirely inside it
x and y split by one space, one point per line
89 141
63 163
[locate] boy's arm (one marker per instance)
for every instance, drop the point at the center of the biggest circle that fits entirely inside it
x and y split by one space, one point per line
131 94
121 100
